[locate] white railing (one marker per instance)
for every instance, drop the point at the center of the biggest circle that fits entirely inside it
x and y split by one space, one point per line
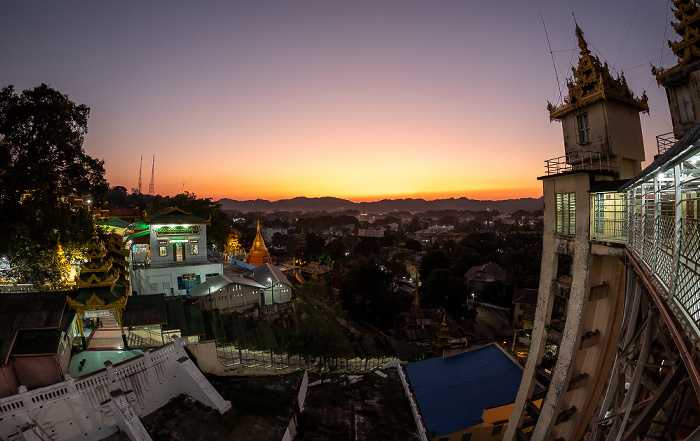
420 426
96 382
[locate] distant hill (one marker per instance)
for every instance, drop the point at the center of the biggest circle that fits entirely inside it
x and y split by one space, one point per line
331 204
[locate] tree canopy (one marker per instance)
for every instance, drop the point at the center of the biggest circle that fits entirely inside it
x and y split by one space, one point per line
319 333
220 229
43 167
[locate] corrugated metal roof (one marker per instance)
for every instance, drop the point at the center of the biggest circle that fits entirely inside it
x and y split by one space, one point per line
194 320
176 314
174 215
217 282
452 393
145 310
680 150
266 271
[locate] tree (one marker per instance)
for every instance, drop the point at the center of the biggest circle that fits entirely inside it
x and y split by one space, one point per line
432 260
117 197
366 291
43 167
219 230
413 245
319 334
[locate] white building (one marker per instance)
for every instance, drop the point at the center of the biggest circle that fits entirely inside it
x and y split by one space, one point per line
268 233
178 255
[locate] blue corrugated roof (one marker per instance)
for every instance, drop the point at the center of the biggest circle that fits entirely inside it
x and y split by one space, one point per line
452 393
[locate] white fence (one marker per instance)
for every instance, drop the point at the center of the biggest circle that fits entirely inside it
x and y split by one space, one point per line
420 427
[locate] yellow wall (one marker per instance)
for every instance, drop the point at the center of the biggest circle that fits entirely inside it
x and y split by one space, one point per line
483 431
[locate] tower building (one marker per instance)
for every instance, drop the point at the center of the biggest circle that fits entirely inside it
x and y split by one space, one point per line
627 361
682 81
600 118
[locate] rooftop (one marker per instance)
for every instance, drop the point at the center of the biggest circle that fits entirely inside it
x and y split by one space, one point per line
453 393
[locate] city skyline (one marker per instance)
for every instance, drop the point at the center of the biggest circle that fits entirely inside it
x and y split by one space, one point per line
361 100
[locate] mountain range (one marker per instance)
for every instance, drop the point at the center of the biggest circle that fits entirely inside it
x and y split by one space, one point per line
331 204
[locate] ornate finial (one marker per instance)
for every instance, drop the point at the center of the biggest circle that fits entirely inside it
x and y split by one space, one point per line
442 336
591 81
582 44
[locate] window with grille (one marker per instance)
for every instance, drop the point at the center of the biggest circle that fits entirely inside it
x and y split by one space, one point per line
154 287
584 130
166 286
566 214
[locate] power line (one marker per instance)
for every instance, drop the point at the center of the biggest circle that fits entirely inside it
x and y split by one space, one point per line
556 74
627 34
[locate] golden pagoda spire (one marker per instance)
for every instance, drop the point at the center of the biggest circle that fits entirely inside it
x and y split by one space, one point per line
258 252
442 337
258 243
582 43
416 301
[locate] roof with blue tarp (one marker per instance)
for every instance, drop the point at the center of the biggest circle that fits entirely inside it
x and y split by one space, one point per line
453 392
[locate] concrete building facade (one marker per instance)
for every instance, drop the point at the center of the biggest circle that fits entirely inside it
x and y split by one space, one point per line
628 359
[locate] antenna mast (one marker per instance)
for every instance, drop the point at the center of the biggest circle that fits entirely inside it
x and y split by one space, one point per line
153 174
140 164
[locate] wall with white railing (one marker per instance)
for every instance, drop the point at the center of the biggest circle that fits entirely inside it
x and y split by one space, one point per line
80 408
420 426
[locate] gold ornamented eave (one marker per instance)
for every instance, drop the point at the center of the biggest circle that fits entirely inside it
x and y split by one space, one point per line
592 82
556 112
94 281
95 303
687 50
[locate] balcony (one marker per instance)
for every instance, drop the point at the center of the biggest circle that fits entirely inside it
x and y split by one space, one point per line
664 142
582 161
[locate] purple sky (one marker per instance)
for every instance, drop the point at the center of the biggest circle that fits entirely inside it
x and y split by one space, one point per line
356 99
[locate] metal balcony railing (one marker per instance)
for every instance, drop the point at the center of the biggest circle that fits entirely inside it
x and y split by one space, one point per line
582 161
665 141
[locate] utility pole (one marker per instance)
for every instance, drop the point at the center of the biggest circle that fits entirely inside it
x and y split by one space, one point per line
153 171
140 164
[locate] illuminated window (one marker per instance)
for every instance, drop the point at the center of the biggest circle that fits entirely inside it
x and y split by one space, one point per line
566 214
194 249
584 130
162 251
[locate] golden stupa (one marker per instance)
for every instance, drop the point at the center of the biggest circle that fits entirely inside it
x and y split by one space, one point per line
258 253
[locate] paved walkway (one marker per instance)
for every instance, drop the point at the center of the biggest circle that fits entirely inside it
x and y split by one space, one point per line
88 362
488 323
107 337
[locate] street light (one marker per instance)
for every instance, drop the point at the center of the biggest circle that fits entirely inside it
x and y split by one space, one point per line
272 293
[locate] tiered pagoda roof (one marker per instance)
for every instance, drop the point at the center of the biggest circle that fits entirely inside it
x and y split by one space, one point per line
591 82
687 50
104 279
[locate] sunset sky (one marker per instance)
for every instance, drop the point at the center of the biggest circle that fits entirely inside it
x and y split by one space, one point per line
355 99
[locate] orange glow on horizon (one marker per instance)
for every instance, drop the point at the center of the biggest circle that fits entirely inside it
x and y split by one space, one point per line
493 194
